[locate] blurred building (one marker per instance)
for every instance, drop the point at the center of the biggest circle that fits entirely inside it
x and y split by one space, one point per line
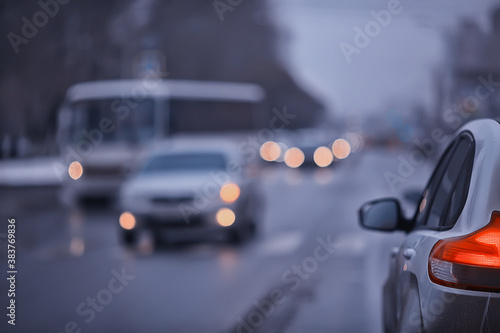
96 40
467 85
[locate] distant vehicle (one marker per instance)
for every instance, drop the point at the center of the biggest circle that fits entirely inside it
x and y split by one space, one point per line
445 277
316 155
105 125
190 188
308 147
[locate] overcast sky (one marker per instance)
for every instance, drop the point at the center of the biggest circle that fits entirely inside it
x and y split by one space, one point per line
395 68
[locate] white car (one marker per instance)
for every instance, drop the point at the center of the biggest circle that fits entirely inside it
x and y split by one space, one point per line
192 190
445 276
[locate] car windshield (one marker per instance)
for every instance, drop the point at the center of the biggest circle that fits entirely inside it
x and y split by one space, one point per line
195 162
114 119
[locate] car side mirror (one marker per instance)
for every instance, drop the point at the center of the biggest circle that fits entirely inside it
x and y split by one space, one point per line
382 215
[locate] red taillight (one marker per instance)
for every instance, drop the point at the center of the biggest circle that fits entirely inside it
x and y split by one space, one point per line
471 261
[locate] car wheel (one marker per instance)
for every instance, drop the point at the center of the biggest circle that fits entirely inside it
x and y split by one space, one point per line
129 238
158 240
411 318
236 236
252 229
239 235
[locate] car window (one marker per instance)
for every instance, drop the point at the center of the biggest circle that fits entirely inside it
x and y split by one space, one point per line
461 190
445 196
429 193
185 162
137 125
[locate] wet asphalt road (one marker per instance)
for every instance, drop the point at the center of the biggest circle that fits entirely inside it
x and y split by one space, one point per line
310 268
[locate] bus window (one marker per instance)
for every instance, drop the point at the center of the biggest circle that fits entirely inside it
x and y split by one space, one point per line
131 121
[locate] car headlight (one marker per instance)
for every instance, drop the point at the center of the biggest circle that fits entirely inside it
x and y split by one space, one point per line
225 217
230 192
127 221
75 170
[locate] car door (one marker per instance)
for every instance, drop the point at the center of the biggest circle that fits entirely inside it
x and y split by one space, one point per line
439 208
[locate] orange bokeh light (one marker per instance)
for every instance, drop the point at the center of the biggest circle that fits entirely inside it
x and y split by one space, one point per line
294 157
341 149
323 157
127 221
270 151
225 217
230 192
75 170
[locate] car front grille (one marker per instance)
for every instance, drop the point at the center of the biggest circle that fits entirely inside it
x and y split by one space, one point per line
106 171
171 200
180 223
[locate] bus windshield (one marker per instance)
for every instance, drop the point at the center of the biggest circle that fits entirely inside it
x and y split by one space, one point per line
115 119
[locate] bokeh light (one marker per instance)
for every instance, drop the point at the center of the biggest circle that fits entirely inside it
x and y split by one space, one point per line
294 157
127 221
77 246
341 149
75 170
230 192
356 141
225 217
323 157
270 151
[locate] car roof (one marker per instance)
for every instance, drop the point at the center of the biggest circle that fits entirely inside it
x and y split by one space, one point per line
189 89
196 144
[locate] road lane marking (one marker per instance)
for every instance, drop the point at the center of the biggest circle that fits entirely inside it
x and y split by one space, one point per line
282 244
352 244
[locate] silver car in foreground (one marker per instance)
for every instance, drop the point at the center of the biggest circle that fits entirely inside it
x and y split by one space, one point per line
190 189
445 277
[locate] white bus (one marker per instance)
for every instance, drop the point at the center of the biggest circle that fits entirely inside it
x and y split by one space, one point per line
104 126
